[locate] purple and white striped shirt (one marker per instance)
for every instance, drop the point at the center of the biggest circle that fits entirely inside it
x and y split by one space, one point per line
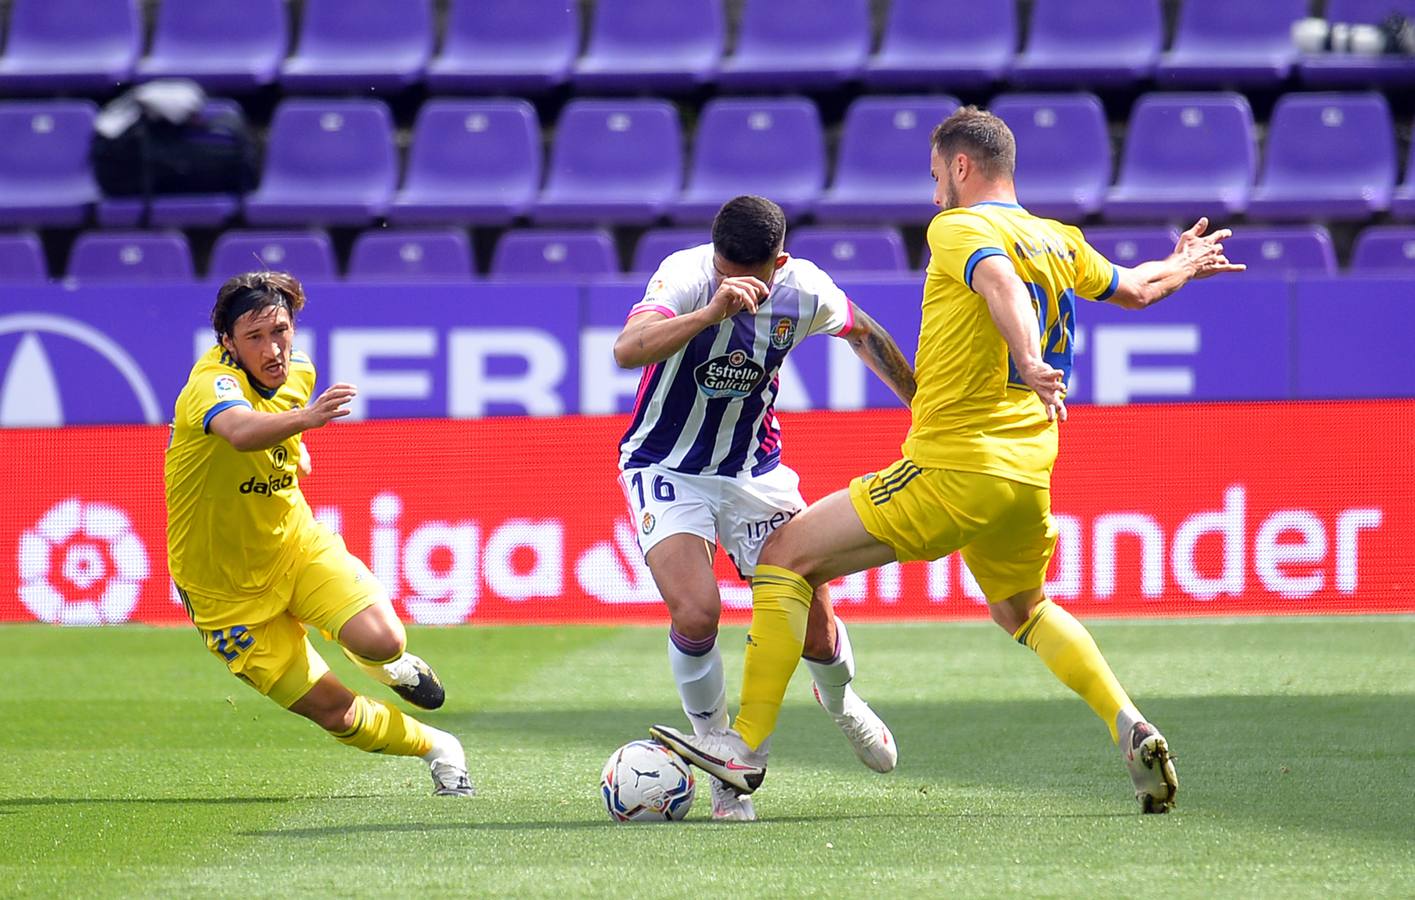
707 409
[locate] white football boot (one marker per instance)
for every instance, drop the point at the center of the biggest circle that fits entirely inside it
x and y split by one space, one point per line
448 764
866 732
1151 768
720 752
728 805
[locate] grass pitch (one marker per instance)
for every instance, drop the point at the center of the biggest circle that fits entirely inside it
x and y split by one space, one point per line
135 766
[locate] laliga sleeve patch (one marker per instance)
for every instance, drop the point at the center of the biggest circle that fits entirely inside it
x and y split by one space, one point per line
226 387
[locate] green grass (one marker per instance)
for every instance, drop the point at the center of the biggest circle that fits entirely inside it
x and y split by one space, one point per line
134 765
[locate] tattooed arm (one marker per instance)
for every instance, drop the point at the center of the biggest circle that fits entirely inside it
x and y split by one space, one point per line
878 351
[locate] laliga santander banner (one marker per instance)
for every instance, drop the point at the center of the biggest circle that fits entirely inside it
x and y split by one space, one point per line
1220 509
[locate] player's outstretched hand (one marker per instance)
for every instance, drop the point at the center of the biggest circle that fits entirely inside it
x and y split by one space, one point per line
331 405
736 294
1204 252
1050 387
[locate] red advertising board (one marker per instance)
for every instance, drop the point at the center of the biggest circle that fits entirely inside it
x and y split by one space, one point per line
1212 509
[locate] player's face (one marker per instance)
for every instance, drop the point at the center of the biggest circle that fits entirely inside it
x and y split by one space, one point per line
260 343
766 273
945 188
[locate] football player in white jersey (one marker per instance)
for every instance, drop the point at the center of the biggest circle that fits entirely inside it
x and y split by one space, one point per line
700 462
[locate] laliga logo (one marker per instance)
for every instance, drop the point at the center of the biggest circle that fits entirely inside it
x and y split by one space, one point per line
82 564
29 392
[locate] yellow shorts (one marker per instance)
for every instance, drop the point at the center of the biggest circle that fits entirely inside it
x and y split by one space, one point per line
1003 528
325 587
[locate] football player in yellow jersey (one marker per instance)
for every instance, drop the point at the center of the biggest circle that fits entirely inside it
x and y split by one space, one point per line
252 564
995 348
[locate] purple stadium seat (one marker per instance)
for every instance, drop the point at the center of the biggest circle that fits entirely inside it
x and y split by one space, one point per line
658 243
1402 204
1131 246
360 45
533 253
1063 151
131 256
882 172
1277 251
849 249
21 259
614 161
119 212
649 45
471 161
1090 42
771 146
1345 70
1385 249
1237 44
517 46
70 45
411 256
307 255
798 44
45 177
929 44
1329 156
327 161
1186 155
221 46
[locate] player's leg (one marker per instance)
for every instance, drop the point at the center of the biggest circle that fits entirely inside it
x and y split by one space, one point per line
781 601
676 531
831 660
1010 563
335 592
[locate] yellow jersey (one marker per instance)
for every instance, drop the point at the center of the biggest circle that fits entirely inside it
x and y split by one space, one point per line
234 519
971 411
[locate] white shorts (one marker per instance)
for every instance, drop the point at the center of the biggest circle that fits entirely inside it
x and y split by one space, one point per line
738 513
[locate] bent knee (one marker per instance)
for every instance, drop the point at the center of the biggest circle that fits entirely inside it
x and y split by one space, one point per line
696 621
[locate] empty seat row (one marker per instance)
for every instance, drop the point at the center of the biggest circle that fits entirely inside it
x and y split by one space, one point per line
446 254
636 45
334 162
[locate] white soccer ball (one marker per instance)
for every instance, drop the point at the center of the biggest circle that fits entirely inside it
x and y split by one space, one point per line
646 782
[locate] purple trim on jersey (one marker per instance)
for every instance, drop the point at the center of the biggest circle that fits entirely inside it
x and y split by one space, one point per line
648 384
786 304
662 310
676 407
699 455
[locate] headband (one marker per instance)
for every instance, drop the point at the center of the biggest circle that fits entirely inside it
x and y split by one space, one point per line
253 298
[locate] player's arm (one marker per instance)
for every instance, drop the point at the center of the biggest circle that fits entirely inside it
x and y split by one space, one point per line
878 351
304 465
1196 255
650 336
246 429
1010 307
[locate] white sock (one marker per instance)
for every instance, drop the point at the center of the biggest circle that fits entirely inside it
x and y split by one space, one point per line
384 674
702 685
445 747
1124 721
833 676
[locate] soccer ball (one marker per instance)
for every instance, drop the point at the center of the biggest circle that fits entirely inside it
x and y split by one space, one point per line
646 782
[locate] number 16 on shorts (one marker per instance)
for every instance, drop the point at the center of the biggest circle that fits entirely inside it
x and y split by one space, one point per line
654 504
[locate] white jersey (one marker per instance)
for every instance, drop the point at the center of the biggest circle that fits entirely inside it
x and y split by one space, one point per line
708 409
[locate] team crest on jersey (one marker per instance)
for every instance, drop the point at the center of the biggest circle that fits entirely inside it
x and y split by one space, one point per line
226 387
733 375
648 522
783 333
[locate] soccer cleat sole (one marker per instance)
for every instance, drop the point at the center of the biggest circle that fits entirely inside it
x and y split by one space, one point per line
1161 760
428 693
458 791
743 781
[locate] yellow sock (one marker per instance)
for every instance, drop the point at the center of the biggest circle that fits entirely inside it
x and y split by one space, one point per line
781 603
380 728
1071 653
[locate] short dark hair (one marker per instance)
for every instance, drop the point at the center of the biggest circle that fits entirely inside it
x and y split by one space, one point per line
253 291
980 136
748 231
